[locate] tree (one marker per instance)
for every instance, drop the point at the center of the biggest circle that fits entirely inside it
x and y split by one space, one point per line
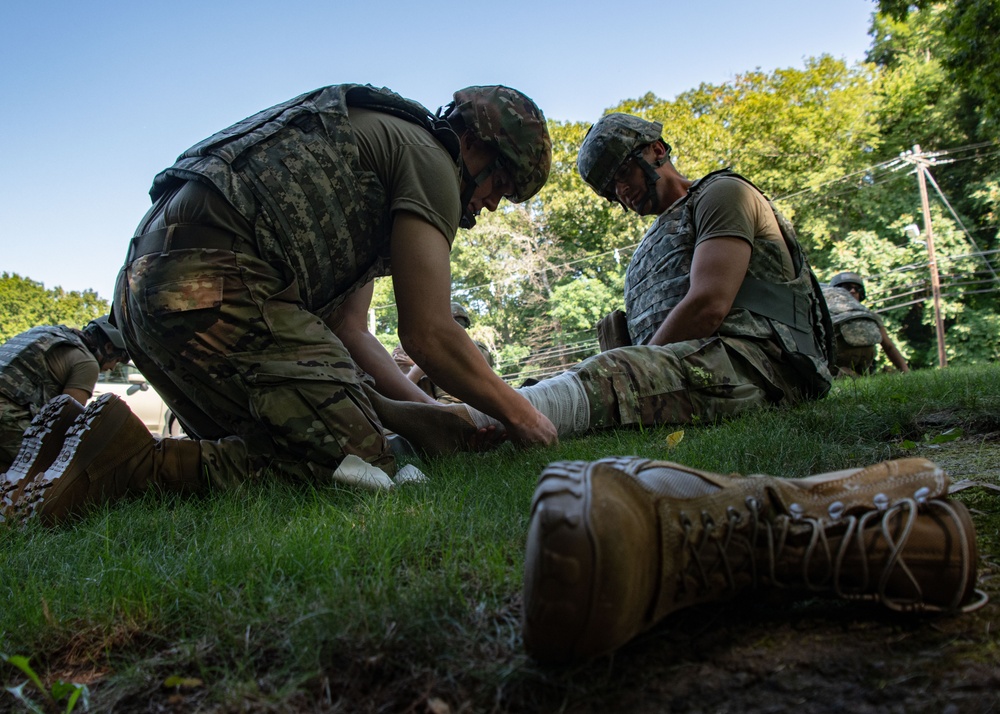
25 303
969 30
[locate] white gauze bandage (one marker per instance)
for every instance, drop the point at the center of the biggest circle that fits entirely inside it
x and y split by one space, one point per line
562 399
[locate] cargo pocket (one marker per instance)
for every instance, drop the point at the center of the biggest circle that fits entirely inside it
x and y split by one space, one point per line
183 295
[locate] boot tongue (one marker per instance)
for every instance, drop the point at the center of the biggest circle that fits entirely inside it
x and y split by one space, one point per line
675 483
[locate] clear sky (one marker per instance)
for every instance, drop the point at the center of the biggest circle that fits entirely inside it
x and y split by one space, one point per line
97 96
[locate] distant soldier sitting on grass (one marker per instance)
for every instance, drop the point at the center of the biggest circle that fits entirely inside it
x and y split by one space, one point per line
859 330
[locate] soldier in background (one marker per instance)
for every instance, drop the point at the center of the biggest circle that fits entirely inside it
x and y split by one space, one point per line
858 329
45 362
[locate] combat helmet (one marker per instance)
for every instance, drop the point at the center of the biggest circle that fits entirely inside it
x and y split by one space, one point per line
614 139
510 122
105 340
848 278
461 315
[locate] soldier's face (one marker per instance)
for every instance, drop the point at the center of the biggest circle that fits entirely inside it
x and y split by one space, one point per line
854 289
497 185
632 187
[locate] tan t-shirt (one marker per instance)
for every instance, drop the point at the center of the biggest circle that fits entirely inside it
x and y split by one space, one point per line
729 207
73 368
417 172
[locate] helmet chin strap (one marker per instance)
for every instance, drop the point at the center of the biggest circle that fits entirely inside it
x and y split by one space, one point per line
649 173
471 183
649 170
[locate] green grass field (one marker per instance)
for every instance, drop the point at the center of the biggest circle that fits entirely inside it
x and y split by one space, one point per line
277 597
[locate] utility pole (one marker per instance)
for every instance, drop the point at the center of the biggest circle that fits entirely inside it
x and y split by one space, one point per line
921 162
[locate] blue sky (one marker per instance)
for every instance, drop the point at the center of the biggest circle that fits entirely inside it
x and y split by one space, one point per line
98 96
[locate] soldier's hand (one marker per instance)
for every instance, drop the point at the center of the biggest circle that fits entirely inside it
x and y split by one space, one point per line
541 432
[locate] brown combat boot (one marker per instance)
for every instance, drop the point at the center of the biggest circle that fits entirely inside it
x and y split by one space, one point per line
108 454
616 545
40 445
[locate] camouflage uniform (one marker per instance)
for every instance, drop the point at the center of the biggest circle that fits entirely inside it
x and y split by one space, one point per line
225 320
26 383
858 331
771 348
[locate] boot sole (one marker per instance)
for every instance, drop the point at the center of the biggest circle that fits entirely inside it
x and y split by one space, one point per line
558 565
40 446
108 413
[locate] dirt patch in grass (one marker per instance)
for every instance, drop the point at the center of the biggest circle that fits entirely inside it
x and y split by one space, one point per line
762 654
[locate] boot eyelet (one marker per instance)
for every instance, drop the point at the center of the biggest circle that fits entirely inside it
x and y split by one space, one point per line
836 510
921 495
881 501
796 511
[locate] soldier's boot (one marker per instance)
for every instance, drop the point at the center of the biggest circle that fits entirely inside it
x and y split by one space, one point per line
108 454
40 445
616 545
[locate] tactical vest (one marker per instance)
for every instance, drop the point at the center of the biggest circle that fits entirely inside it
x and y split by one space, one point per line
790 313
24 375
297 164
854 323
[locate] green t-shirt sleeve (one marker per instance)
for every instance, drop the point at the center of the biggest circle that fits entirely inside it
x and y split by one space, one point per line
417 172
73 368
727 208
424 183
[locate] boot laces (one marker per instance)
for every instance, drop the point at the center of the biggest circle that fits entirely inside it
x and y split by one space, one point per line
712 548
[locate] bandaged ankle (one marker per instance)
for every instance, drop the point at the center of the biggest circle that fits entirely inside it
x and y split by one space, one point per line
563 400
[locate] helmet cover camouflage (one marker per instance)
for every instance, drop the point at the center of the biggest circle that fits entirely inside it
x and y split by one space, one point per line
102 325
847 278
461 315
608 143
509 121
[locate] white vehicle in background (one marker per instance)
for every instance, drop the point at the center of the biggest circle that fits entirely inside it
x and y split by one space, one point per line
129 384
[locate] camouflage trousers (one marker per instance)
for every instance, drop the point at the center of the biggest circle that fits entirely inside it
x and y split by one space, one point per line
683 382
263 383
14 419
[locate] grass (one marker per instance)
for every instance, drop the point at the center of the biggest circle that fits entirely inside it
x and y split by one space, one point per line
275 597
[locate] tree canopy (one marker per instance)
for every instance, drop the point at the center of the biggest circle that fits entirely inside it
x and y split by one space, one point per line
834 145
25 303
